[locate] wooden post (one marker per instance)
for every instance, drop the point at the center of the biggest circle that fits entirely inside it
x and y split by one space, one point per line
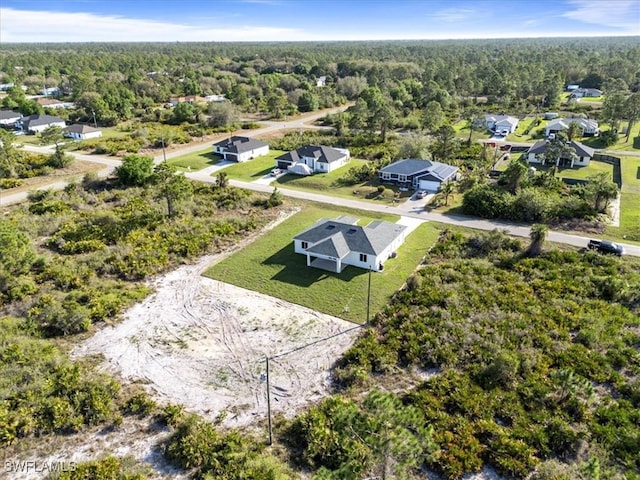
269 404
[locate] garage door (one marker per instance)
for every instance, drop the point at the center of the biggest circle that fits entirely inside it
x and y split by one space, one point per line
429 186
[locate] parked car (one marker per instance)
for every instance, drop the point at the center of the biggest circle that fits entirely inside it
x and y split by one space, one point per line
605 246
421 193
275 172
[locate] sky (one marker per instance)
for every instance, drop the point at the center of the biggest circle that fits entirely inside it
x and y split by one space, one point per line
27 21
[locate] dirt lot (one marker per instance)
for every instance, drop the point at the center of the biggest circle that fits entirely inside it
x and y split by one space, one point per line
202 343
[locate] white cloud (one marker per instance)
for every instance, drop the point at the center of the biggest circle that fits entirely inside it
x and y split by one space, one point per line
453 14
611 13
43 26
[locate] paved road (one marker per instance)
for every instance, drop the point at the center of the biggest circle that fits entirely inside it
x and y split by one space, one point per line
410 208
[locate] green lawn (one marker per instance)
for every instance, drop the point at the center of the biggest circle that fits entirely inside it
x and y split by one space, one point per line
592 99
269 265
630 167
196 161
328 183
254 169
582 173
629 229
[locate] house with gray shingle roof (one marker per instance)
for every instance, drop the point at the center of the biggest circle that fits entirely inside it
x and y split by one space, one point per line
535 154
333 244
82 132
498 123
588 126
420 174
240 149
317 157
8 118
38 123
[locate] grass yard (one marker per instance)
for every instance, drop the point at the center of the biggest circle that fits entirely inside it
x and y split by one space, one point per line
582 173
328 183
629 229
254 169
196 160
270 266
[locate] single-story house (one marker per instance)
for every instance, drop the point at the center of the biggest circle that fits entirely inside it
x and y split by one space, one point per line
6 86
82 132
50 91
53 103
572 87
8 118
551 115
240 149
498 123
334 244
173 101
588 126
317 157
321 81
215 98
38 123
584 153
586 92
420 174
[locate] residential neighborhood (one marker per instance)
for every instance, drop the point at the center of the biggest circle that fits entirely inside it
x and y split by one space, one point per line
311 159
240 149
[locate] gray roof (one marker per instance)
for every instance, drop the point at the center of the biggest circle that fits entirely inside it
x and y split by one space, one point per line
581 149
563 123
77 128
9 114
501 119
412 166
37 120
240 144
336 238
319 152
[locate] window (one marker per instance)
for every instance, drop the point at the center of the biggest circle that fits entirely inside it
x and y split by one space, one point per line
305 245
402 178
386 176
363 257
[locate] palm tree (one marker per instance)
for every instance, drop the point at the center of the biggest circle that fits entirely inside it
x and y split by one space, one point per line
447 189
538 235
222 180
574 130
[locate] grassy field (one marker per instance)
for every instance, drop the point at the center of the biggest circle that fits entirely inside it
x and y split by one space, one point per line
629 229
269 265
195 161
254 169
328 183
582 173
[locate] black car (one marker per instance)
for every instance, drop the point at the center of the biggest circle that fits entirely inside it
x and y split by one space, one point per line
605 246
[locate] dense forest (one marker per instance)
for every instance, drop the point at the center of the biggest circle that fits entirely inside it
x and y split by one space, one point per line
494 352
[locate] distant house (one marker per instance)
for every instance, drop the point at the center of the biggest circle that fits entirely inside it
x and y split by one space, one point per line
38 123
214 98
50 91
53 103
573 86
173 101
499 123
588 126
586 92
6 86
82 132
240 149
333 244
550 115
584 153
317 158
8 118
321 81
420 174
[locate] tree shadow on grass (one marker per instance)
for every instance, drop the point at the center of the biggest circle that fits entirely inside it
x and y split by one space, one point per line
296 272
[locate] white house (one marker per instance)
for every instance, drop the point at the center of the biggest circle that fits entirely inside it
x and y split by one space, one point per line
321 81
214 98
50 91
82 132
38 123
240 149
8 118
319 159
416 173
333 244
588 126
53 103
498 123
586 92
584 153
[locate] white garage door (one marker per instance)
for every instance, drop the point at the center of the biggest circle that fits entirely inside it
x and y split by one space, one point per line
429 186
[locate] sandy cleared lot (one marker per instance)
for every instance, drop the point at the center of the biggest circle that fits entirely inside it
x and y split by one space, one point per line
202 343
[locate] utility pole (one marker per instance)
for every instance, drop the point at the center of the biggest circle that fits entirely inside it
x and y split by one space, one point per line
164 154
269 403
368 296
95 124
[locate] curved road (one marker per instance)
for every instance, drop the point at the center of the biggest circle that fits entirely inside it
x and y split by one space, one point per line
409 208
